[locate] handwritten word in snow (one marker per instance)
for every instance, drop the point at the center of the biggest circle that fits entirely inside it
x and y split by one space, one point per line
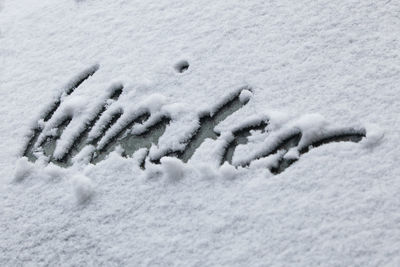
64 136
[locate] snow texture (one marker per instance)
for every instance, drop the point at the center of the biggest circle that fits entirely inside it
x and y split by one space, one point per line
23 169
83 188
80 76
173 168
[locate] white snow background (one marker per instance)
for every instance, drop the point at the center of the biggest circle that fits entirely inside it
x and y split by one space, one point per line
314 63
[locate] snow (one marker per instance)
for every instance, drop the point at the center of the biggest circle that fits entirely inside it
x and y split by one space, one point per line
245 96
83 188
375 135
228 171
23 169
315 68
173 169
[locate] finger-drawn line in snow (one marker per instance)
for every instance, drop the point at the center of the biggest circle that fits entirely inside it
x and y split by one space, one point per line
107 128
205 129
285 143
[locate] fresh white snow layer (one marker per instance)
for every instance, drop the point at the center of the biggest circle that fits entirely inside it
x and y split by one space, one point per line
315 67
